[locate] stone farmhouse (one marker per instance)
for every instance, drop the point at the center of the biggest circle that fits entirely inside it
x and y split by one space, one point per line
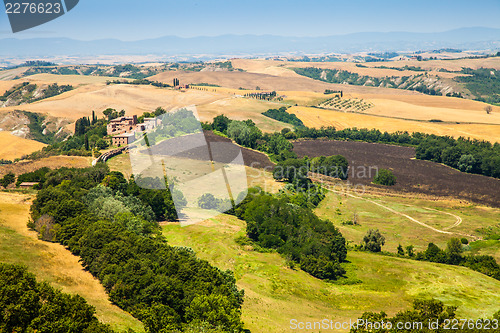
122 125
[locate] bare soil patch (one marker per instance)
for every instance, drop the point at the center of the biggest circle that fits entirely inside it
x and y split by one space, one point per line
413 176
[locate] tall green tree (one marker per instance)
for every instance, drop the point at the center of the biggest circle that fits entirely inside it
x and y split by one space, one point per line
8 179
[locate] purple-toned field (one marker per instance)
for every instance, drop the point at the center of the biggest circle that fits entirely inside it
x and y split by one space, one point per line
251 158
415 176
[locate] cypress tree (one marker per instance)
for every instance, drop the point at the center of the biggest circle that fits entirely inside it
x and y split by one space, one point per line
87 147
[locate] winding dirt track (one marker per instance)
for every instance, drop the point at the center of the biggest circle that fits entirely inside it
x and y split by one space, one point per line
457 222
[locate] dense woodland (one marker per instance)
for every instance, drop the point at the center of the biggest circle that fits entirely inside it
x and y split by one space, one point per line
30 306
109 223
289 226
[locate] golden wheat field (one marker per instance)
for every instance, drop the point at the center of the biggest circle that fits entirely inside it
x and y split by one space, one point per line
284 68
267 82
12 147
52 162
9 74
451 65
314 117
408 110
133 99
239 108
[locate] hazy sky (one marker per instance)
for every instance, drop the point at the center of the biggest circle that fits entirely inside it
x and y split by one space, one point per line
142 19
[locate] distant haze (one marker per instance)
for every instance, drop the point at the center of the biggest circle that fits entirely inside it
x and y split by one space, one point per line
246 45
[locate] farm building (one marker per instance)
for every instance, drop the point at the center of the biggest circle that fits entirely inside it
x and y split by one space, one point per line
121 125
28 184
123 139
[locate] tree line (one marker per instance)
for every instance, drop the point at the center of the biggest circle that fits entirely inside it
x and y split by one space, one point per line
465 154
283 116
453 255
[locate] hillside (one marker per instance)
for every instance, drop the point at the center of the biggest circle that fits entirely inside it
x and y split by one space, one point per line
13 147
275 293
53 262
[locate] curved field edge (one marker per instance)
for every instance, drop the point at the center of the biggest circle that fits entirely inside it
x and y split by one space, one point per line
53 263
275 294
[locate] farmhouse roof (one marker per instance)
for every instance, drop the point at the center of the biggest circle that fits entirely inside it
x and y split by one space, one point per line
28 184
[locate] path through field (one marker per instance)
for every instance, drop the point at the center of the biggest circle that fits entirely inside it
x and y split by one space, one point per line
457 223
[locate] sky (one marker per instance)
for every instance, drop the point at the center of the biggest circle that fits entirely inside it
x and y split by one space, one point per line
143 19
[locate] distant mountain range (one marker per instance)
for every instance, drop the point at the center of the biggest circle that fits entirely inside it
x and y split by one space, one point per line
465 39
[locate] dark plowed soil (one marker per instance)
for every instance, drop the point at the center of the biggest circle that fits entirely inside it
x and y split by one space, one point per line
412 175
251 157
222 150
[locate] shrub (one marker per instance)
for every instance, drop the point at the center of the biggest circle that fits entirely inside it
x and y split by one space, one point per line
373 240
385 177
208 201
321 267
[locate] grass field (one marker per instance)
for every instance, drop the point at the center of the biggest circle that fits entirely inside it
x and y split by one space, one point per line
51 262
52 162
398 229
13 147
486 247
255 177
314 117
274 293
